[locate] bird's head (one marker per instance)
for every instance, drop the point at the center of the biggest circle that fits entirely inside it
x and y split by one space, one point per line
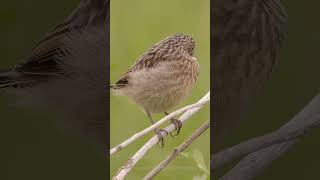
183 42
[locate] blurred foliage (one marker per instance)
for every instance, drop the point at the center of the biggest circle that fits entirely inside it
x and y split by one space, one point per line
33 144
295 81
202 163
135 27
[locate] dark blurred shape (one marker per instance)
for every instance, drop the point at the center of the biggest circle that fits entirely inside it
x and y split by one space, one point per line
67 71
246 37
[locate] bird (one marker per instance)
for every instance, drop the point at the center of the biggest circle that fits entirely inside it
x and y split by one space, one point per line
66 71
161 77
246 38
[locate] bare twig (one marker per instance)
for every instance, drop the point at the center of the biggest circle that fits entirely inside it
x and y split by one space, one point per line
177 151
125 169
255 162
140 134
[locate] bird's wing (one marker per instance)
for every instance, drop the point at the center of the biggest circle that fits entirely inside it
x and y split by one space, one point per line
43 58
153 57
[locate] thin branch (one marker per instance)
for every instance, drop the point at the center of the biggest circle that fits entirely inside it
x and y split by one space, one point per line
204 100
177 151
257 143
255 162
125 169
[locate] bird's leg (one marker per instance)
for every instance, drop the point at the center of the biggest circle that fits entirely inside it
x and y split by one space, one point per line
177 123
158 131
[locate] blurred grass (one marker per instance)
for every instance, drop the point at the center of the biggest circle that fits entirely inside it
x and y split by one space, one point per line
136 26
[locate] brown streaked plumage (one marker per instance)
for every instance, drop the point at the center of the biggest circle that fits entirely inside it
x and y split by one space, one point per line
162 76
42 63
246 37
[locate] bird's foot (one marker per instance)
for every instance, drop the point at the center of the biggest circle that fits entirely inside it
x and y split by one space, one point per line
177 124
160 135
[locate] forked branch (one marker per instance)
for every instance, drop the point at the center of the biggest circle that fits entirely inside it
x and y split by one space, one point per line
125 169
140 134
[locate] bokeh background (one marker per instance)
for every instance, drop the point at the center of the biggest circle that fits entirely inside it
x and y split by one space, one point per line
135 27
295 81
33 143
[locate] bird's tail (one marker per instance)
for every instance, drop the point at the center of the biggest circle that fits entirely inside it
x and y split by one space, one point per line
9 78
115 86
6 79
112 86
115 89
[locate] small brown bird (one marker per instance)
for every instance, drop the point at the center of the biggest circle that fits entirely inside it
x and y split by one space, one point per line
161 77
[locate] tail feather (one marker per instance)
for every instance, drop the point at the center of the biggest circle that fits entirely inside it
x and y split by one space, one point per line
5 79
9 78
116 86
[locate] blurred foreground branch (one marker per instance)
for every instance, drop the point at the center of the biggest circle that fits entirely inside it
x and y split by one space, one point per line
125 169
261 151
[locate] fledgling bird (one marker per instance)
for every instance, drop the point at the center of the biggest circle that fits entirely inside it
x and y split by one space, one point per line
161 77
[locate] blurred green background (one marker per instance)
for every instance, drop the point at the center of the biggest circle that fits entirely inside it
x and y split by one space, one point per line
33 145
294 82
135 27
